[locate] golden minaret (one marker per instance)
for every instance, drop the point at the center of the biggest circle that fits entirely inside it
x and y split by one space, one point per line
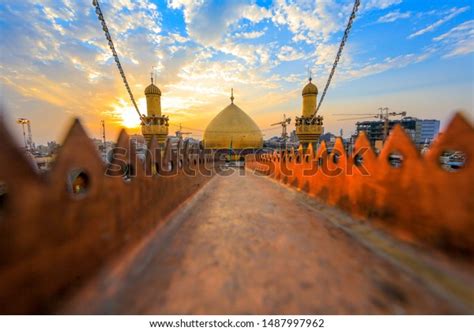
309 127
154 124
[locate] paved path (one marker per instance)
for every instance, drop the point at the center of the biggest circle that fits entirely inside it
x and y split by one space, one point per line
246 244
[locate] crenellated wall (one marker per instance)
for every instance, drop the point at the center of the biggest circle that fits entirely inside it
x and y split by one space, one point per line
55 230
417 199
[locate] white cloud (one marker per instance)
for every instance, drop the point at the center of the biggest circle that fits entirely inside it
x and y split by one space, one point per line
456 31
459 40
252 55
208 22
288 53
311 21
452 14
393 16
179 38
379 4
250 35
387 64
255 13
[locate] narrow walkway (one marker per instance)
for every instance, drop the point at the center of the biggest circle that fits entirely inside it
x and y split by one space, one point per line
246 244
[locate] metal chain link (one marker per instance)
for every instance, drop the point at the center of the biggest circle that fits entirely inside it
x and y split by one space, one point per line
339 52
101 18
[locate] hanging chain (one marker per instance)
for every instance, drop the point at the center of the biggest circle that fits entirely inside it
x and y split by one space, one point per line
339 52
101 18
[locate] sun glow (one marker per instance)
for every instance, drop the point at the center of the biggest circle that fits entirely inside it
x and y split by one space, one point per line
126 113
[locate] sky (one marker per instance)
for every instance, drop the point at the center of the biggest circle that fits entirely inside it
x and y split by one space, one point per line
55 64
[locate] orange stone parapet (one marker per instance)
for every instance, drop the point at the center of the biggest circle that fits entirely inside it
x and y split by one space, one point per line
414 197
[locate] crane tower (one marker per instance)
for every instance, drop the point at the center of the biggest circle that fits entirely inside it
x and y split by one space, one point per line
284 124
27 136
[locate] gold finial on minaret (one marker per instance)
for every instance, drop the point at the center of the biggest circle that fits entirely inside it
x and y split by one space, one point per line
232 95
152 74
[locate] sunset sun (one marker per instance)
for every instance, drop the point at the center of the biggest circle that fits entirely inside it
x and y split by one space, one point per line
126 114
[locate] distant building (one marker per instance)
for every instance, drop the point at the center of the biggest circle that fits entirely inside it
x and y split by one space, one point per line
49 149
139 142
43 156
429 130
294 138
278 143
44 163
104 150
328 137
42 150
98 143
419 130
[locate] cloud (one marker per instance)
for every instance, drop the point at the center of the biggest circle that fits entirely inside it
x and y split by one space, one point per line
288 53
255 13
55 58
207 22
252 55
388 63
325 53
179 38
456 31
459 40
250 35
393 16
452 14
379 4
310 21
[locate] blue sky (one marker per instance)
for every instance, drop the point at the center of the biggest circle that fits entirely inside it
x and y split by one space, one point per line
414 56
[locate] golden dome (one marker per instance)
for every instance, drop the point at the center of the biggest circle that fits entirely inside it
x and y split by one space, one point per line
152 89
232 127
310 88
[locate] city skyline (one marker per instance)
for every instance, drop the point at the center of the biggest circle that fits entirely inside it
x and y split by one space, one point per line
406 55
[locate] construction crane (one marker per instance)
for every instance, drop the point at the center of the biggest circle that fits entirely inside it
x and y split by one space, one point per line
284 124
104 142
383 115
180 132
27 136
102 122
